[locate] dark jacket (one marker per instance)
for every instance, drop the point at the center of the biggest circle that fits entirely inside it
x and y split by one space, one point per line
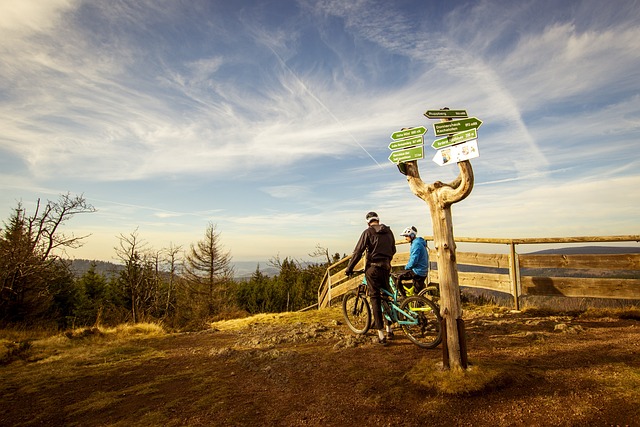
379 243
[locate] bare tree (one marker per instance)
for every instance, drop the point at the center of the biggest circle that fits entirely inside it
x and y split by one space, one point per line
131 250
172 262
30 253
321 252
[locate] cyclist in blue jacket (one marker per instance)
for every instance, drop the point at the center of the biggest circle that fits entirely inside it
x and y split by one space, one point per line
418 266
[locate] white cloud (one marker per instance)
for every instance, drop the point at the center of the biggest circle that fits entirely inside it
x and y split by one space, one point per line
30 16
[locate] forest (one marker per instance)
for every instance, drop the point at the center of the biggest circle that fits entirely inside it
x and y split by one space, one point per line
181 288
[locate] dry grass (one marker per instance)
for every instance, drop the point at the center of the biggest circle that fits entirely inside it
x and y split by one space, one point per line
475 379
75 344
288 318
613 313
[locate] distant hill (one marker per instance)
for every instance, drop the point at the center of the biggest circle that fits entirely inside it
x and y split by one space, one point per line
242 269
598 250
108 269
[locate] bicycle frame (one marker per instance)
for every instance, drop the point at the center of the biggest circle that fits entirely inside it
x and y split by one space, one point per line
391 305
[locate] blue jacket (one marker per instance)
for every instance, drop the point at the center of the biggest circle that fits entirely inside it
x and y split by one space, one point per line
418 257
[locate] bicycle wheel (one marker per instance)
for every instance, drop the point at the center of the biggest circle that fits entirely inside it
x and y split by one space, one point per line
430 293
422 325
357 312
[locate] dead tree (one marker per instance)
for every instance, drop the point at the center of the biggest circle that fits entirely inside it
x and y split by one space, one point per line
440 197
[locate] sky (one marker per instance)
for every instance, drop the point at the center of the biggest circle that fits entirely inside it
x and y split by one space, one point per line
271 119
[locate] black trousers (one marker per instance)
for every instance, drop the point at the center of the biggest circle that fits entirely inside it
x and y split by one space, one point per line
377 279
406 275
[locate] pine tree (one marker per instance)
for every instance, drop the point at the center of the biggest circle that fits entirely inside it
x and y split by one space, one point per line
208 270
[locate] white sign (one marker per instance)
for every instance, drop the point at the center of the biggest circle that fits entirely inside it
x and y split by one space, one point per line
457 153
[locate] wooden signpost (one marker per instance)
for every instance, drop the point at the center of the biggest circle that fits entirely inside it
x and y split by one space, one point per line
440 196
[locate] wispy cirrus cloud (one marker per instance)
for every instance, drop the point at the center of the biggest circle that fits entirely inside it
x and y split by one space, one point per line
170 115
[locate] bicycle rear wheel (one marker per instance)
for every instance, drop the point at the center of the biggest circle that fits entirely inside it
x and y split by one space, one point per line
424 317
356 311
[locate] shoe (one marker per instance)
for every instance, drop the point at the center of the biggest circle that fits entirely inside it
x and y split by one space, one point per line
382 342
389 336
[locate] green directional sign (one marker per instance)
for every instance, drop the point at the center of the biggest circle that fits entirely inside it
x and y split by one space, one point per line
407 155
455 139
408 142
401 134
456 126
444 114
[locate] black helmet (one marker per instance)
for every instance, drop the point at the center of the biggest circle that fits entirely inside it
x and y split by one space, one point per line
372 216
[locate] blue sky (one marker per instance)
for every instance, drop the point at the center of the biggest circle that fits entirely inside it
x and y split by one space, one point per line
272 119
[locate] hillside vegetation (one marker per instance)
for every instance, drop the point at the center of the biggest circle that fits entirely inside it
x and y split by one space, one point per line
291 369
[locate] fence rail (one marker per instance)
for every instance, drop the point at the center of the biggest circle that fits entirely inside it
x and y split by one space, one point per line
522 274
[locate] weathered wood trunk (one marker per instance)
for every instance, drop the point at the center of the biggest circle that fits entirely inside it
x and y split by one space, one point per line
440 197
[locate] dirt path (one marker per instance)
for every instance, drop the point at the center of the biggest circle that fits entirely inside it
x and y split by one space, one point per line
310 370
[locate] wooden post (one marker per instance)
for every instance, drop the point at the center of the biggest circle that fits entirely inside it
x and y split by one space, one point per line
445 349
440 197
329 288
513 275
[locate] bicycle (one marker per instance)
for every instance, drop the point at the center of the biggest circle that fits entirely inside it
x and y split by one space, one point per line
431 291
418 316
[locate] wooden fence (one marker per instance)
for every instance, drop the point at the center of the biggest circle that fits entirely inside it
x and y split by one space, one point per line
521 274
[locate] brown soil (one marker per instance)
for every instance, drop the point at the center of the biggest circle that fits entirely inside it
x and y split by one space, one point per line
310 370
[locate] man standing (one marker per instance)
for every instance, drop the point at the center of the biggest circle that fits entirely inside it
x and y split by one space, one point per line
418 265
380 245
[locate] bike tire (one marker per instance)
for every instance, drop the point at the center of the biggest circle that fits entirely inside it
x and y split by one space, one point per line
356 312
426 333
430 293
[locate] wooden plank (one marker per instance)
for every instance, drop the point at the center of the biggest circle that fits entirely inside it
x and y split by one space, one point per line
580 239
582 261
496 282
534 240
344 287
483 260
400 259
581 287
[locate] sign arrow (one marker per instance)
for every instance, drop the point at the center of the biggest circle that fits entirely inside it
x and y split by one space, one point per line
457 153
455 139
401 156
404 143
456 126
420 130
443 114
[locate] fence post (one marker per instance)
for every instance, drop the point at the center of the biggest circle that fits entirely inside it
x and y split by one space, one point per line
514 274
329 287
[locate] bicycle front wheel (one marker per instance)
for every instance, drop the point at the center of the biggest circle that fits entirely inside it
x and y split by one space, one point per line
357 312
431 293
422 322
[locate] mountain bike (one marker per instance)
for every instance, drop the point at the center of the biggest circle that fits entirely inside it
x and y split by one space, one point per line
417 316
430 291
